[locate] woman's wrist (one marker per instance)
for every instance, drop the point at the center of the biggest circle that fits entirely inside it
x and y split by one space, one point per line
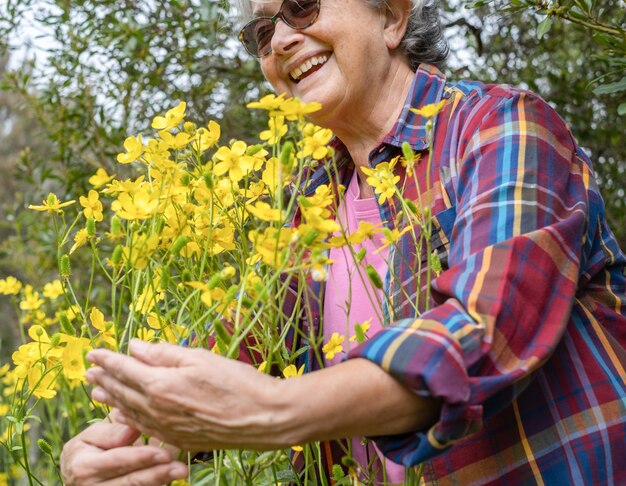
354 398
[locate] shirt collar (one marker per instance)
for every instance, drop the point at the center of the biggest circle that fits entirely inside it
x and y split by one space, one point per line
427 88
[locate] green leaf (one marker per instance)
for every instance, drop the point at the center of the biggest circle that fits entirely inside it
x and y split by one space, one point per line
585 5
621 109
611 87
544 26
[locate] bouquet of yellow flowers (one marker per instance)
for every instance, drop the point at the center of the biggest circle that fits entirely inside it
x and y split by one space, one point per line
199 248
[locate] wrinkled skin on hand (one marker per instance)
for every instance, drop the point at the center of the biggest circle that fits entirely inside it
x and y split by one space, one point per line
104 455
190 398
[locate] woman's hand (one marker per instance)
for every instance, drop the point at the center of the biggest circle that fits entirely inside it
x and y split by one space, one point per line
190 398
103 454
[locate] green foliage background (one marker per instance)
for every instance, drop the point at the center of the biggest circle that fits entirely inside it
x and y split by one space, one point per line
103 68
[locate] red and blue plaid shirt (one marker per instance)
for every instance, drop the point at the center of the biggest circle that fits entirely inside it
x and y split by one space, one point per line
524 336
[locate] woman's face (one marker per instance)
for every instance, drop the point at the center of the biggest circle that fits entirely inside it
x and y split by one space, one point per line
339 61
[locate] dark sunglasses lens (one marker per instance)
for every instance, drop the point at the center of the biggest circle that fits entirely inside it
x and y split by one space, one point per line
257 36
300 14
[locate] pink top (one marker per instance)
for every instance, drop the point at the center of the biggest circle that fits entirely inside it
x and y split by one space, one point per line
351 299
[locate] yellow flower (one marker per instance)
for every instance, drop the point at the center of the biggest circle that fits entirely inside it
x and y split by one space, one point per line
107 329
205 139
134 150
146 334
72 358
391 236
171 119
42 382
272 175
265 212
323 196
80 239
409 164
319 219
100 178
382 179
366 230
277 129
140 205
315 145
234 161
140 250
175 142
10 286
51 204
429 111
270 102
53 290
294 109
92 205
31 300
270 244
291 371
333 346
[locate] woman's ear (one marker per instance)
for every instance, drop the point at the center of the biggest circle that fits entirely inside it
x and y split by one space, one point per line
397 13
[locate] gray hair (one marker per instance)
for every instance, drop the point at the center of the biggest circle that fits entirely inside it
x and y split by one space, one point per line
423 40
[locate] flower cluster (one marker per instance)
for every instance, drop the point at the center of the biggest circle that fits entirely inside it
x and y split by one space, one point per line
202 245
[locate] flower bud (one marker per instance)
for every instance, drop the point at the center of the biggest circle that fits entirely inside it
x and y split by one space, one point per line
116 225
55 339
208 179
165 277
407 151
372 274
66 325
185 178
412 206
44 446
286 157
254 149
213 281
116 258
310 237
91 226
64 269
179 244
186 275
360 255
189 127
228 272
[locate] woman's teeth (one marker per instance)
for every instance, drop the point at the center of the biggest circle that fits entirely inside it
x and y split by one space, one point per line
298 73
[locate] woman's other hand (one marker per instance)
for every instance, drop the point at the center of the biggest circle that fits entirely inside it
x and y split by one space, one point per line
103 454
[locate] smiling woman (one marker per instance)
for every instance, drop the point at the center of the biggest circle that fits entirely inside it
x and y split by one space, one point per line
501 363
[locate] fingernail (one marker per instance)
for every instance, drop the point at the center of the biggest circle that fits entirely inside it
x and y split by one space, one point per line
178 472
89 375
98 395
162 456
137 346
90 357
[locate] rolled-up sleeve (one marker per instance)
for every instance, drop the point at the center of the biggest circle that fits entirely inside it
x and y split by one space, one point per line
520 192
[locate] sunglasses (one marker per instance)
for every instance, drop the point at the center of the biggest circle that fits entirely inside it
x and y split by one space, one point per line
256 35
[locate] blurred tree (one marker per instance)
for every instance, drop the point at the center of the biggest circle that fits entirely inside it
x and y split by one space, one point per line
111 65
579 67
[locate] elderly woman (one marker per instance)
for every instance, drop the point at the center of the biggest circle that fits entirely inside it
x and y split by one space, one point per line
515 374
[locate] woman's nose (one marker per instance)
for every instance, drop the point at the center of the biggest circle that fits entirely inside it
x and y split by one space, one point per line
285 39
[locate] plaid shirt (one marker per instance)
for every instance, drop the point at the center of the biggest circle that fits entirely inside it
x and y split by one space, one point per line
524 336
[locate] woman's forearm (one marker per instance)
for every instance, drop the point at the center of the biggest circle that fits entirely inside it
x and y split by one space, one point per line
354 398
